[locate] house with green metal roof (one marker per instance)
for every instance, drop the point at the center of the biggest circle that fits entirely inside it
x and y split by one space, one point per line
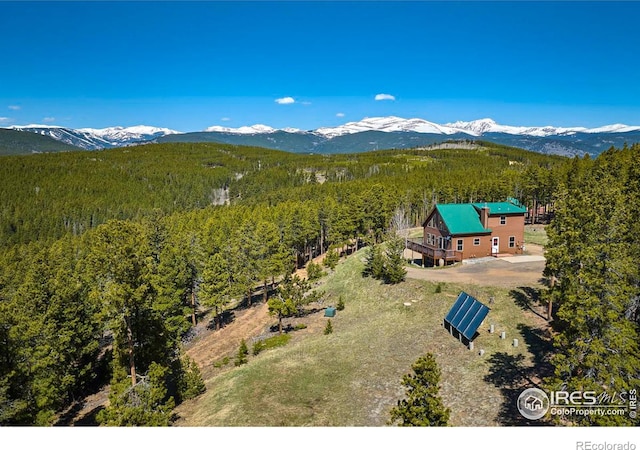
457 231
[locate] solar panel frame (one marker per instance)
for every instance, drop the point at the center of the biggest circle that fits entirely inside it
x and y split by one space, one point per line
466 315
474 308
475 322
456 307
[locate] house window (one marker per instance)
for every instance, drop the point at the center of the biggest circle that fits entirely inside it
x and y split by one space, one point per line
512 241
476 241
460 241
503 220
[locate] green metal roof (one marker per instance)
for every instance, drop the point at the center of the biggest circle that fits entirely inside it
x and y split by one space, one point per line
501 208
461 218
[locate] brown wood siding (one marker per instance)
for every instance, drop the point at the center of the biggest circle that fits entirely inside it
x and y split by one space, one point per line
473 251
513 227
431 230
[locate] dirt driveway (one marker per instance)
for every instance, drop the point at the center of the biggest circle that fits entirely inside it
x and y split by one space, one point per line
506 273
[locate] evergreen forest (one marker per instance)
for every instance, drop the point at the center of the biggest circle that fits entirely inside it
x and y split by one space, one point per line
108 259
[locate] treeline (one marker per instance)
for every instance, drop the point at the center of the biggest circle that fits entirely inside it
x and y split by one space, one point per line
108 257
593 260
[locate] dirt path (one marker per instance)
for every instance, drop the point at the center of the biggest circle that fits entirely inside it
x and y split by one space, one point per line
211 346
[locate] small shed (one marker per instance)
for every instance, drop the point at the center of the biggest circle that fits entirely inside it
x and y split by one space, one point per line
330 311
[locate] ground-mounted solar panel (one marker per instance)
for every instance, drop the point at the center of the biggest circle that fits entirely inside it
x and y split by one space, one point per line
465 316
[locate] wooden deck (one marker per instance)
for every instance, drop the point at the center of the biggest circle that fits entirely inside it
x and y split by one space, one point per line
432 255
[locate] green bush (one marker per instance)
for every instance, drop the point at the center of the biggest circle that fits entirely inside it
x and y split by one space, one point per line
193 384
438 288
340 305
222 362
300 326
243 352
314 271
258 346
273 342
276 341
329 328
332 258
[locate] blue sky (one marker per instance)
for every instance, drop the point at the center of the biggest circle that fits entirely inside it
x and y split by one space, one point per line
188 66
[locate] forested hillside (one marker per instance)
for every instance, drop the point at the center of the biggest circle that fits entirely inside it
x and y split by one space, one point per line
107 257
593 254
48 196
14 142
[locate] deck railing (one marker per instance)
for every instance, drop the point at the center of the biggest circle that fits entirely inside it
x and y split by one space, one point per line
434 253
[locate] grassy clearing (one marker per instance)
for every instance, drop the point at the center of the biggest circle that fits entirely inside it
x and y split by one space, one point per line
352 376
535 234
415 233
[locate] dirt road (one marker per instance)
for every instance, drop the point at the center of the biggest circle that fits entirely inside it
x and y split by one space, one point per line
508 272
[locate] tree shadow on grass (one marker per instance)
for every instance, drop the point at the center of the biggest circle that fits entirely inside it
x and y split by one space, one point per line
511 374
508 373
540 345
527 297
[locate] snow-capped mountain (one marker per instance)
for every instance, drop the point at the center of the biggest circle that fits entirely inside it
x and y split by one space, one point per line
94 139
482 126
393 124
395 132
367 134
254 129
389 125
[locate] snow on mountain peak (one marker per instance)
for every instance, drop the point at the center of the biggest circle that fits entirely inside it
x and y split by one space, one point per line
132 132
388 124
253 129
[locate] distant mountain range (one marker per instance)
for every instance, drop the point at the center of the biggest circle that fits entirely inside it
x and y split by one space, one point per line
366 135
14 142
96 139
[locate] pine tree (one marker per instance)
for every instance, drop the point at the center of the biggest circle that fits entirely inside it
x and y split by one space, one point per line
216 287
394 270
192 382
592 253
329 328
314 271
331 259
147 403
375 263
423 406
243 352
292 295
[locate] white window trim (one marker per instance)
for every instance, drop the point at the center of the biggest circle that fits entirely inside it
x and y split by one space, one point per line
512 242
503 220
476 240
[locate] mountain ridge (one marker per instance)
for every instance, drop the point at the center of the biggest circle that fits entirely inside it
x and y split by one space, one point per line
370 133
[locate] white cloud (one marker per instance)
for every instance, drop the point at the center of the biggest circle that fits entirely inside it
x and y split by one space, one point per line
340 115
5 119
14 107
225 119
306 103
285 101
49 119
385 97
